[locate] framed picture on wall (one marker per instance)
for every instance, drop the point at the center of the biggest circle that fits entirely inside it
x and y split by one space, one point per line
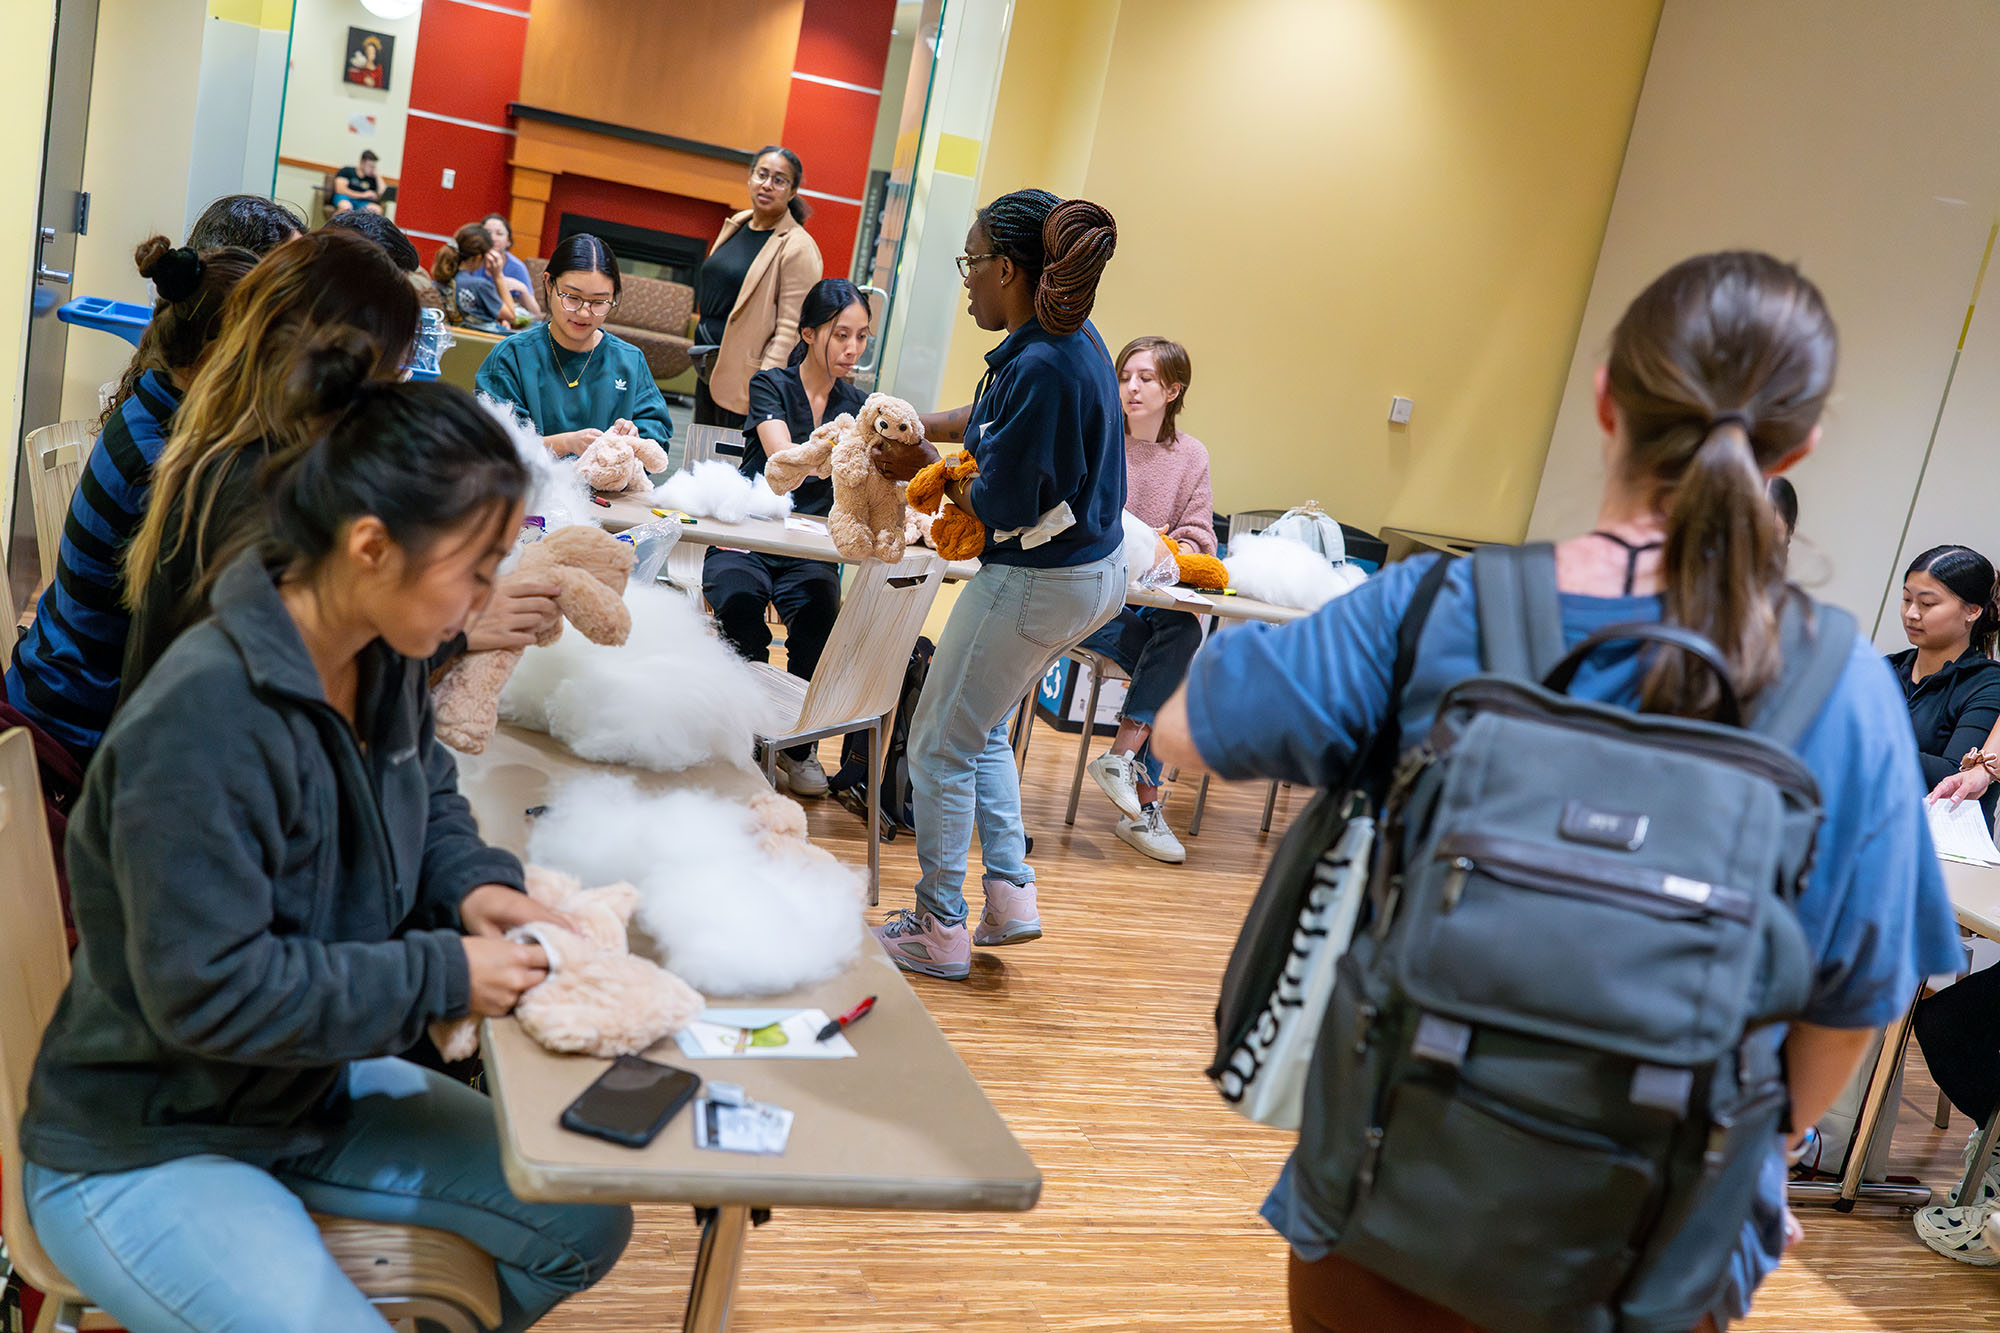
369 55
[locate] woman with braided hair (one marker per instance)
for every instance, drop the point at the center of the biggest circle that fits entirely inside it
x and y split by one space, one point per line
1048 434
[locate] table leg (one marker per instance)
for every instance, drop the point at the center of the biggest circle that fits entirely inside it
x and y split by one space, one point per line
1874 1106
716 1265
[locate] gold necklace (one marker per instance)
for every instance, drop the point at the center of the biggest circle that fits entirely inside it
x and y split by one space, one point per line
555 361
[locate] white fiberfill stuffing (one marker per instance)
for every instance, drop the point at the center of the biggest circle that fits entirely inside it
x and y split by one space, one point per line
715 489
731 914
673 695
1287 573
556 493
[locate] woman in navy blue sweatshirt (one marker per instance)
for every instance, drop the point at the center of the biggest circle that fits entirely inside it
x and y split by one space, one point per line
1049 435
277 888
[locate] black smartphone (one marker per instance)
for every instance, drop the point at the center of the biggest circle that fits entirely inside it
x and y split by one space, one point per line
631 1102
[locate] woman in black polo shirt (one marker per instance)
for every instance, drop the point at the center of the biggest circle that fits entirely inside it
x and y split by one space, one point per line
787 405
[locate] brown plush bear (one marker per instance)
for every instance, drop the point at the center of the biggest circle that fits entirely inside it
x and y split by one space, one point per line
618 460
590 567
955 534
866 522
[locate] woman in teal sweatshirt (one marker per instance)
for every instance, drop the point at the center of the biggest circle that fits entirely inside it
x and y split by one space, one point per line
571 377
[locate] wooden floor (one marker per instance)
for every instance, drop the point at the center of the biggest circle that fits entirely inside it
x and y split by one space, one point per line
1091 1042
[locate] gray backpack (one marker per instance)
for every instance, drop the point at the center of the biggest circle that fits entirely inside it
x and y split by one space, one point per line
1549 1074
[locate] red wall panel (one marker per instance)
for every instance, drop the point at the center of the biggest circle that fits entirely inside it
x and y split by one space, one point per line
832 227
479 157
845 39
468 61
831 129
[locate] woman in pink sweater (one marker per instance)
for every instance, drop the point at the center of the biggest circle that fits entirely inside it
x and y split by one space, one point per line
1166 486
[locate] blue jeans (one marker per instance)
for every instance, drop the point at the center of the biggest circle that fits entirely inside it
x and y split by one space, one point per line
1008 625
1154 646
207 1243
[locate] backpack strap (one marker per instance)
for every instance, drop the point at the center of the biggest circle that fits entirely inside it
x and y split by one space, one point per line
1379 760
1520 618
1816 640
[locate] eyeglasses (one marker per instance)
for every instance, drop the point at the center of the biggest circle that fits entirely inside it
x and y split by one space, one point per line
573 303
766 176
965 262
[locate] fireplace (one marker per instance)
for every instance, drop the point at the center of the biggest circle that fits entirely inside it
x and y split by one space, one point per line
642 251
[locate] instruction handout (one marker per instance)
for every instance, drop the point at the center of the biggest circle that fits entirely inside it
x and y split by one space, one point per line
1961 834
762 1034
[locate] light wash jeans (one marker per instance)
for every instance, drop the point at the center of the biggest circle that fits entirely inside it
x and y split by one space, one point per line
208 1243
1008 625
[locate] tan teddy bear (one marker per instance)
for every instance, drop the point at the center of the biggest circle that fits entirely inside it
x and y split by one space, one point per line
590 567
866 522
599 998
619 460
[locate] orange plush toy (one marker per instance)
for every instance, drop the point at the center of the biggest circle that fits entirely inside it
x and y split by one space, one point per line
955 534
1201 571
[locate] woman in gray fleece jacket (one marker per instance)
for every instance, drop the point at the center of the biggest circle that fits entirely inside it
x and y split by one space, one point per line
277 887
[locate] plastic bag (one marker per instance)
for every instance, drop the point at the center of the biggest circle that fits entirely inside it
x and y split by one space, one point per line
1149 557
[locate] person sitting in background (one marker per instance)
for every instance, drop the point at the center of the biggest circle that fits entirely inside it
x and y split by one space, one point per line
573 378
785 407
383 232
358 187
467 269
1951 616
245 222
66 668
512 271
1167 487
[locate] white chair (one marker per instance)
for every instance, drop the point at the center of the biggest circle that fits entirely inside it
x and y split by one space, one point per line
408 1273
860 674
56 455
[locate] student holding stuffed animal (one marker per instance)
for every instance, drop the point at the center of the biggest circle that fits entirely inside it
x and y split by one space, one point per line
278 888
1045 430
786 406
1166 486
230 435
1715 381
572 377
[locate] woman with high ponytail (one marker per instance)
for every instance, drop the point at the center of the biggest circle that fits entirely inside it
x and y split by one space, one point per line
1047 432
1715 381
65 671
278 888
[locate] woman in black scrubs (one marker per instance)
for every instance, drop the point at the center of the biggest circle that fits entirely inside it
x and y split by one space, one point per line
786 406
749 290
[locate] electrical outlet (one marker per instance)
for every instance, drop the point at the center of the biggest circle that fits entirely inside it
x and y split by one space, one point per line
450 178
1399 411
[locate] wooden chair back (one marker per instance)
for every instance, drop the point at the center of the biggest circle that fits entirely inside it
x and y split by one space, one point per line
860 672
34 968
56 455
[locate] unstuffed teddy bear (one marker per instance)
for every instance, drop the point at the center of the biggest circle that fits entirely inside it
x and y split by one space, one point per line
866 522
590 567
784 822
955 533
599 998
619 460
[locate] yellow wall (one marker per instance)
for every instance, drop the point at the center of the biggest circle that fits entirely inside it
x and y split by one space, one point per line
1336 201
24 91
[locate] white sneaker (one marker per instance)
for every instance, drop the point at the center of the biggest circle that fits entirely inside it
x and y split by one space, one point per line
804 776
1957 1234
1989 1180
1150 834
1118 774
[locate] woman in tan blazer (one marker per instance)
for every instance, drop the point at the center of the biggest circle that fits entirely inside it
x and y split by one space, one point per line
748 293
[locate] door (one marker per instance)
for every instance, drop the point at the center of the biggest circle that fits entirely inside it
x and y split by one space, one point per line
63 216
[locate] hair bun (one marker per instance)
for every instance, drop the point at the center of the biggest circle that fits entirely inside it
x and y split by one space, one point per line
1078 239
329 370
174 271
